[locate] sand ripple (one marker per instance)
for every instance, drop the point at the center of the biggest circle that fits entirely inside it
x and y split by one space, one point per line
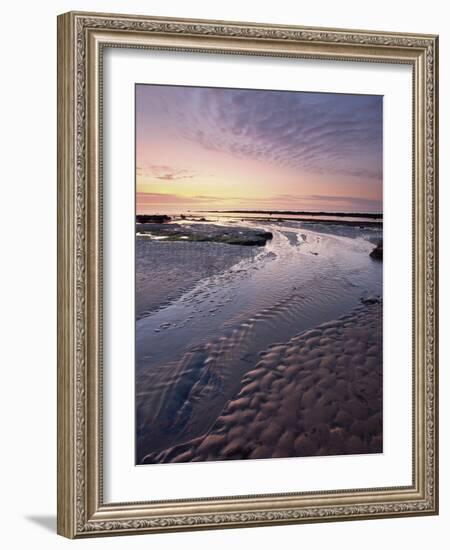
318 394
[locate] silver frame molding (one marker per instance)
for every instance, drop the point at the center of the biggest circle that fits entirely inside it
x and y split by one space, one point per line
81 39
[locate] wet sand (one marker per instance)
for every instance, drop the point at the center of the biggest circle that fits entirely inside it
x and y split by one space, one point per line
203 327
164 271
320 393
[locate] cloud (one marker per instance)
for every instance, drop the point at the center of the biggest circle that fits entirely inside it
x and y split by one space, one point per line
164 172
312 132
344 199
273 202
169 199
287 201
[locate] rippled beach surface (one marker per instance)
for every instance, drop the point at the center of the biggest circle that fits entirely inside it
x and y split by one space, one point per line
259 351
165 271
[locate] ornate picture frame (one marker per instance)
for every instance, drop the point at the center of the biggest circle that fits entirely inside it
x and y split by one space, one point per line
82 38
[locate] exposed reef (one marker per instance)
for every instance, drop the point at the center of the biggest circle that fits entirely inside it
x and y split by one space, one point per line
204 233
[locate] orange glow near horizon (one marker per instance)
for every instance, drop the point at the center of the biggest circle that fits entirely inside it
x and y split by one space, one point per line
213 149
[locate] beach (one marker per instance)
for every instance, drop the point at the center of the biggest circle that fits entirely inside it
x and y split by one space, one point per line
318 394
258 350
165 272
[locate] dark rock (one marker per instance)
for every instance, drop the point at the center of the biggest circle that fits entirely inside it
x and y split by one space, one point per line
153 218
377 252
205 233
369 300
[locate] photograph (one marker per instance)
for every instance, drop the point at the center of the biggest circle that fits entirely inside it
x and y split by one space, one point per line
258 274
247 268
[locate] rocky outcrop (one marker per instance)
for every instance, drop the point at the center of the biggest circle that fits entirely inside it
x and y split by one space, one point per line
377 252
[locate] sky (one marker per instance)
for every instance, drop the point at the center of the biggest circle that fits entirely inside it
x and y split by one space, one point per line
226 149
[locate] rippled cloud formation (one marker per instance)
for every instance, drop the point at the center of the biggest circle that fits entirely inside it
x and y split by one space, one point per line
311 146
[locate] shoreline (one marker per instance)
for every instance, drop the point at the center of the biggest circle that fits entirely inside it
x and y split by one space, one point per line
350 223
362 223
374 215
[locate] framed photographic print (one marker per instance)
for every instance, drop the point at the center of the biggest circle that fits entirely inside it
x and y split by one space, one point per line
247 288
